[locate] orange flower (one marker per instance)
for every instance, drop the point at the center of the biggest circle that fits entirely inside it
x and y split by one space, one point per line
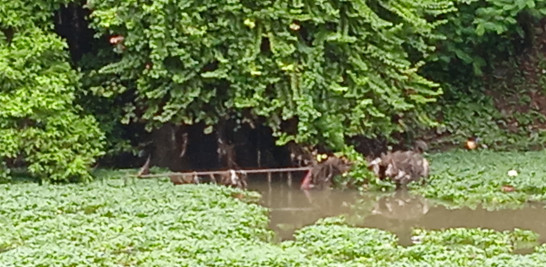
116 39
471 144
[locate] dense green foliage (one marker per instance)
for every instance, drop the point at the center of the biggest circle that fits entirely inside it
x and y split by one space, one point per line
489 70
107 223
331 239
155 223
340 68
21 14
474 113
40 126
483 31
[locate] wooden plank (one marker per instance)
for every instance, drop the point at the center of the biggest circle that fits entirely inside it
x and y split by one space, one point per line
204 173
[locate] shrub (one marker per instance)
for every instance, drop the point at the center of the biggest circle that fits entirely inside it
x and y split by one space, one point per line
483 31
40 126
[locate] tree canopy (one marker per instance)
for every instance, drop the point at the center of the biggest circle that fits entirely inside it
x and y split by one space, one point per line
337 68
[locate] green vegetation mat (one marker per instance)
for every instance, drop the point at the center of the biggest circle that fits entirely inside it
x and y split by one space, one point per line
471 178
153 223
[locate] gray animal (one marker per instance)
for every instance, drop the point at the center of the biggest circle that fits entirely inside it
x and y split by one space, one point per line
402 167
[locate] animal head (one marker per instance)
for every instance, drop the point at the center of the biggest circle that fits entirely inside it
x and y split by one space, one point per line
420 146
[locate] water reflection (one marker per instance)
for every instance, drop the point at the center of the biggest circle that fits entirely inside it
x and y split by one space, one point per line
292 209
401 206
398 213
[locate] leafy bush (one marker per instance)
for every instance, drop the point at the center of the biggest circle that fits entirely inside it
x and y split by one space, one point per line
337 68
40 127
20 14
107 106
471 65
483 31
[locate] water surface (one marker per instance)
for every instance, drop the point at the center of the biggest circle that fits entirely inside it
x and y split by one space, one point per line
292 209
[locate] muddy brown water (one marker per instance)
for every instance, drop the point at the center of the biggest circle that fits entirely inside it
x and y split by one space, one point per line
292 209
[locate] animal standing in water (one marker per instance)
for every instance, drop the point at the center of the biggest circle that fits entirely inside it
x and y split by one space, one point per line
402 167
184 179
234 178
322 173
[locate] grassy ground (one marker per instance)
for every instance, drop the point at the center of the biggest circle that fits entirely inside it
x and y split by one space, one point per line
152 223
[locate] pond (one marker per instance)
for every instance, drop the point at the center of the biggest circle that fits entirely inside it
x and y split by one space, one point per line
292 209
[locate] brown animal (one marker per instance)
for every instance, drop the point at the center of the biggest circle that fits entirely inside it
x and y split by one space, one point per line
321 174
184 179
234 178
402 167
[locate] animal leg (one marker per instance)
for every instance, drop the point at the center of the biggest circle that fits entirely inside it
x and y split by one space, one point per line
306 183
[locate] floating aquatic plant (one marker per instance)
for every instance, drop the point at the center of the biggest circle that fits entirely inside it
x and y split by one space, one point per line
472 178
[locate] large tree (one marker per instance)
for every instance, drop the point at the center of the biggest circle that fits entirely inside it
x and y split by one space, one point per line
334 68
